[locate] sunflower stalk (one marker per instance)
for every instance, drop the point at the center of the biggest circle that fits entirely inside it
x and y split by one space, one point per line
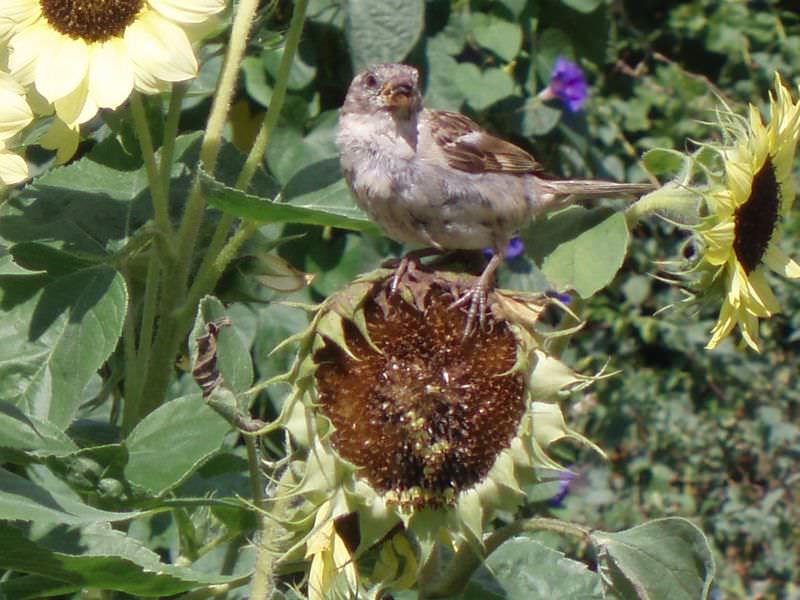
211 268
172 330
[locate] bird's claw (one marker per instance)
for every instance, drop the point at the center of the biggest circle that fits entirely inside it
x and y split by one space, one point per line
478 299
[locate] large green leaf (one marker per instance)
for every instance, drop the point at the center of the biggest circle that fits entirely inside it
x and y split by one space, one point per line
171 442
502 37
83 206
579 249
664 558
55 334
95 556
317 195
383 31
524 569
23 500
482 88
19 431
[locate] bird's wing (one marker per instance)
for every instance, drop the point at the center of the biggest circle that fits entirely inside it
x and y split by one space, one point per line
469 148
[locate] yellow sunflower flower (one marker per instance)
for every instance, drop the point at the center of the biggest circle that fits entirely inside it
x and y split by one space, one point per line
14 115
746 210
83 55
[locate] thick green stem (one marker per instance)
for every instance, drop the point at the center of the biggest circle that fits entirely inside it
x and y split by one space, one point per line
466 560
133 379
171 134
208 277
270 529
278 95
160 208
673 199
171 331
209 150
133 396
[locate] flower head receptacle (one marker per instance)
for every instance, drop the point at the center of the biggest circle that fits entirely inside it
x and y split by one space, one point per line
408 425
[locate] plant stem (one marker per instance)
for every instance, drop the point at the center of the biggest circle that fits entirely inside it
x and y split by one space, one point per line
209 149
160 209
466 560
217 258
171 134
268 532
278 95
678 201
171 331
214 267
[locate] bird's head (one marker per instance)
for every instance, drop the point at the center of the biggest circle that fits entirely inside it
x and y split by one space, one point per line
387 87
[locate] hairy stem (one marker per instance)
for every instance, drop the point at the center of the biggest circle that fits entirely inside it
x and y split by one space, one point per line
171 331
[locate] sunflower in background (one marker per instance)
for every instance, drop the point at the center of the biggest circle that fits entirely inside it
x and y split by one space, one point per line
15 114
84 55
746 208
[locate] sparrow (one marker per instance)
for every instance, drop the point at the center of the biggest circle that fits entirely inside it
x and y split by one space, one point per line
436 179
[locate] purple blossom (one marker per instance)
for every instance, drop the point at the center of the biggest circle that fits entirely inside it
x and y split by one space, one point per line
514 249
561 297
568 84
564 481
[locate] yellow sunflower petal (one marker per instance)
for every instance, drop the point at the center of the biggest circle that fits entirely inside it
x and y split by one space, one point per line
781 264
160 49
62 138
77 107
61 69
723 327
748 326
15 14
13 167
15 113
760 300
26 48
180 11
110 74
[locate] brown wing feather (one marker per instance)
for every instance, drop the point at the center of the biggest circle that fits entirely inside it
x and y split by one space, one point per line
470 148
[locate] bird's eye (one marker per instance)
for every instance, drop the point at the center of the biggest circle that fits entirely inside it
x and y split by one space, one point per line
371 81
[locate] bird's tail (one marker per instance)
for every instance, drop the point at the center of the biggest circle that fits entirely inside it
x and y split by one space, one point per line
592 188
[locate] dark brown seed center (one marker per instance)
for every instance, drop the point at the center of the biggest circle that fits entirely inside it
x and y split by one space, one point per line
427 416
91 20
755 220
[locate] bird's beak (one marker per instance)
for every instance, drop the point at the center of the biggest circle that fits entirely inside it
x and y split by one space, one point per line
398 94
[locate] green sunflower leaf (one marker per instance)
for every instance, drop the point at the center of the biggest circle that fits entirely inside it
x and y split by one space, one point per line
579 249
664 558
170 443
382 31
55 335
23 500
94 556
524 569
317 195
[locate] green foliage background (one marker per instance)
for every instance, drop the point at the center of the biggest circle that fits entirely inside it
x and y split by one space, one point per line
711 436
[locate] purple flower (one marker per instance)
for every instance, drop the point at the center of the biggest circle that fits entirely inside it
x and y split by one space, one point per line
568 84
515 247
564 481
561 297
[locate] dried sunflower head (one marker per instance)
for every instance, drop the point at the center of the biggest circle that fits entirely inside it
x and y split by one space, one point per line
406 423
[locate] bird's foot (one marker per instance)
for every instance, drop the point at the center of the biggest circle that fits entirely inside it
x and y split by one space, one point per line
408 265
477 301
477 297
